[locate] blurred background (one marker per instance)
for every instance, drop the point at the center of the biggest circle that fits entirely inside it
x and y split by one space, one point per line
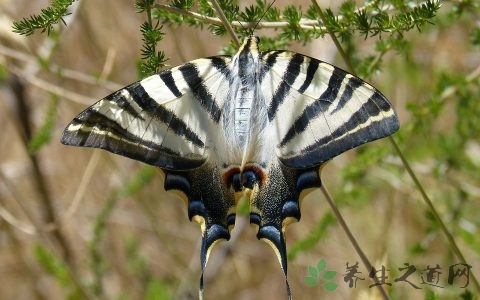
85 224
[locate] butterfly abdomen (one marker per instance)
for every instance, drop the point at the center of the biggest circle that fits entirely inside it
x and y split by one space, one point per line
247 104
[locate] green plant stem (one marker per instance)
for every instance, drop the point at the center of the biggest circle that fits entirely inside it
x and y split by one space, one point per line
225 22
405 163
24 121
334 38
430 205
350 236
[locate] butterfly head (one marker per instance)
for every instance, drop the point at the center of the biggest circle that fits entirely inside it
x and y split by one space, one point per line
250 44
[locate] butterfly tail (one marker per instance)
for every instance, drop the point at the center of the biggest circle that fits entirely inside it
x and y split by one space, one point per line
210 204
275 205
274 237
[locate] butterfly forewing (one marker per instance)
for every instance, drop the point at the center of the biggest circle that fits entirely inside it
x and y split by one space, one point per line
319 111
163 120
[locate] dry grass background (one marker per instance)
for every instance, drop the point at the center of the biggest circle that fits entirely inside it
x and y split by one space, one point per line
150 228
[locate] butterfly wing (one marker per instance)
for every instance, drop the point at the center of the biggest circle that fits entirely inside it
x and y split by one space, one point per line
320 111
162 120
168 120
315 112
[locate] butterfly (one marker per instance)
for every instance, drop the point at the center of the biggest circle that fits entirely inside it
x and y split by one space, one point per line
256 123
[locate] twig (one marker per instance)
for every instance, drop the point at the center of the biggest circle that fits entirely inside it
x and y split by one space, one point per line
350 236
65 72
66 217
225 22
51 88
79 194
405 163
24 123
10 218
430 205
24 262
337 213
35 229
453 89
304 23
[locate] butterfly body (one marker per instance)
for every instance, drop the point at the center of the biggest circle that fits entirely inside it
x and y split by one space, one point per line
257 123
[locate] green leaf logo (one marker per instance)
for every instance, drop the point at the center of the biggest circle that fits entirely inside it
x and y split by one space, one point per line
329 275
322 264
330 286
317 275
311 281
313 271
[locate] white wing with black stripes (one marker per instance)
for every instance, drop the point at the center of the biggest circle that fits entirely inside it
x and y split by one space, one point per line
157 120
261 122
319 111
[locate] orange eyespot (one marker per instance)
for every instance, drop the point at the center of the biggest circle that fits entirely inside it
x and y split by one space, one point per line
245 178
231 177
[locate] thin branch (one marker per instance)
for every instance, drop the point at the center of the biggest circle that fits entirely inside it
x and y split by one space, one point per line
9 217
25 263
432 209
65 73
453 89
24 122
335 210
350 236
51 88
405 163
48 45
304 23
87 175
332 35
35 229
225 22
79 194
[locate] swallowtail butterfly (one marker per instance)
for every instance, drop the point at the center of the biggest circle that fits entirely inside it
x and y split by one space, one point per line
261 122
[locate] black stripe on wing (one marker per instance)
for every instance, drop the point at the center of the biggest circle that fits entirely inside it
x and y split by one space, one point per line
93 129
269 59
311 70
167 78
159 112
197 86
288 78
117 99
220 64
365 125
322 104
301 123
352 84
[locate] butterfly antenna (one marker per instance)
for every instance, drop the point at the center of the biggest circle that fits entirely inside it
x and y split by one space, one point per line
263 15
